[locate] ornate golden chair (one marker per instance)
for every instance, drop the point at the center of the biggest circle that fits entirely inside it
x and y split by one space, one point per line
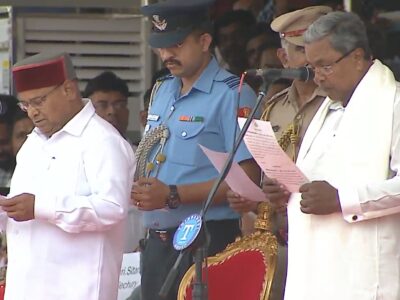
244 270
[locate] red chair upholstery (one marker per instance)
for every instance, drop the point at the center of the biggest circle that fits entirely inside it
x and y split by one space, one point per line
243 271
2 290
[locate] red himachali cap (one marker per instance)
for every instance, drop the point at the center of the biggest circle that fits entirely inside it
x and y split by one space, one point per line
42 70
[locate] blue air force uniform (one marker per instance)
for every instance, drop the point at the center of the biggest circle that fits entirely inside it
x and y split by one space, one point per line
207 116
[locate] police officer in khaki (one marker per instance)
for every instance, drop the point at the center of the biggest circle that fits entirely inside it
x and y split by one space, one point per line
290 112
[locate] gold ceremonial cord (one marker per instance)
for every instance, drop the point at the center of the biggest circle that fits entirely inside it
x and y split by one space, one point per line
155 137
289 137
267 111
154 90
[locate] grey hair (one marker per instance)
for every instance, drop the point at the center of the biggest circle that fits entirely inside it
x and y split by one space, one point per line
345 30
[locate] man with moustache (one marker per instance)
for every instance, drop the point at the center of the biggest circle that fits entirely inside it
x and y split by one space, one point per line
197 104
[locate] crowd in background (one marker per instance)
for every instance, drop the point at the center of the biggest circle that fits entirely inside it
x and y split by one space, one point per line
244 40
243 37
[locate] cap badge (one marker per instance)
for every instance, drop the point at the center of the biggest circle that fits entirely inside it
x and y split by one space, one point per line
158 23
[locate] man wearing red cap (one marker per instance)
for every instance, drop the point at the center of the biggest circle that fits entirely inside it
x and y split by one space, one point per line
69 193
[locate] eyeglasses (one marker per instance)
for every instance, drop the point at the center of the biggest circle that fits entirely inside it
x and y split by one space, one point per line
328 69
103 105
37 101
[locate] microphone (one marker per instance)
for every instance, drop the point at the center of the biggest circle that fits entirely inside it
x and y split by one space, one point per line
303 73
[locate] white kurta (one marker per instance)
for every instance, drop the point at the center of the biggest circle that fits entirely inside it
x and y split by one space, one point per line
354 255
81 178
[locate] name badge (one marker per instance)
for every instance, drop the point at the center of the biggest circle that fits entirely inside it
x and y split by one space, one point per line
147 128
153 117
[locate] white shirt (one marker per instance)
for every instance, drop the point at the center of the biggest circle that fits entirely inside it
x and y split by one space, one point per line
81 178
135 231
370 200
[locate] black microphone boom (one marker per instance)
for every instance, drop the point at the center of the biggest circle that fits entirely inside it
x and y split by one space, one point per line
303 73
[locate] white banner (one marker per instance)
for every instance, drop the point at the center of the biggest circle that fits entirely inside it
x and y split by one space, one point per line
129 277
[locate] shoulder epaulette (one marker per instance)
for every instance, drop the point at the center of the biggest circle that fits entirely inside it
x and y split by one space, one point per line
277 96
232 81
165 77
270 103
156 86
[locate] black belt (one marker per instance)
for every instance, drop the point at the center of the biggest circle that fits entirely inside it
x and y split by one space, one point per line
168 233
162 234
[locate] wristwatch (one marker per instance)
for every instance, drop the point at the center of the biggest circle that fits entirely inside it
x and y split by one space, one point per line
173 200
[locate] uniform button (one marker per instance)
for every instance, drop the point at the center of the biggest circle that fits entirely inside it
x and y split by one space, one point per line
184 133
299 117
172 108
354 218
276 128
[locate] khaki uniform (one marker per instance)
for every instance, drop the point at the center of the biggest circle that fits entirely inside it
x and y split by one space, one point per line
290 123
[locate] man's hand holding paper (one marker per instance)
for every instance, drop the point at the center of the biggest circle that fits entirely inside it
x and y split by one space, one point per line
20 207
262 144
239 203
237 178
319 198
276 193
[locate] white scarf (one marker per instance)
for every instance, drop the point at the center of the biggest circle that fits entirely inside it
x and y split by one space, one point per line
361 149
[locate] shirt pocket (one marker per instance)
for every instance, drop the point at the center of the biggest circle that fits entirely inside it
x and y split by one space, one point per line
71 170
184 148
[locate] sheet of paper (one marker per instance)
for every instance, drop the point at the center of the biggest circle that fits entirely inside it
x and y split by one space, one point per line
237 178
261 141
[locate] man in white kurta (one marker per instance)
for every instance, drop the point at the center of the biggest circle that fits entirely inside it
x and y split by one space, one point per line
344 237
79 175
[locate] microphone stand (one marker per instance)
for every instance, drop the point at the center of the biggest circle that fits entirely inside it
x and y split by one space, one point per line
200 291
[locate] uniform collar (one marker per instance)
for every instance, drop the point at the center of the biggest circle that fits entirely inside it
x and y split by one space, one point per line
78 123
206 79
204 82
293 93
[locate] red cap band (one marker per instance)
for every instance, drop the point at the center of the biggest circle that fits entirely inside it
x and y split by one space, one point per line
293 33
39 75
